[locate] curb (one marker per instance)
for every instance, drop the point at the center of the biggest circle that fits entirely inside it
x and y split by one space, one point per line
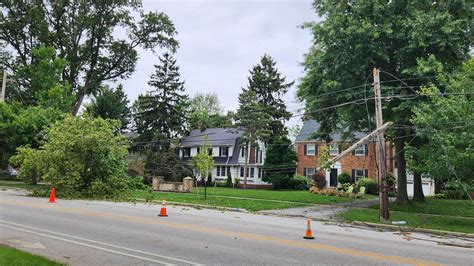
414 229
198 206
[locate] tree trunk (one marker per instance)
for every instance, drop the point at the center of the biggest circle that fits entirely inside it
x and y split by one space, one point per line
78 104
418 188
246 165
205 186
402 195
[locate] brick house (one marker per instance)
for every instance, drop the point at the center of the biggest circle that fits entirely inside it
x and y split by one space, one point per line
360 164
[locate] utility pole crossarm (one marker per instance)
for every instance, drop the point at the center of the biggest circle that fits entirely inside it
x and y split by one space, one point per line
362 141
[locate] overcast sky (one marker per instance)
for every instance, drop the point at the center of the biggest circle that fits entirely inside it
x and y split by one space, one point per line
221 40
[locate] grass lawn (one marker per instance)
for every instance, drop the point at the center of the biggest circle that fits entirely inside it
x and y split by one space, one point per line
249 199
251 205
15 257
447 215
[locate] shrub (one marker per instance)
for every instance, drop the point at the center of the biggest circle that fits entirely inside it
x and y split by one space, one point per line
455 189
221 184
229 181
319 179
300 182
344 178
371 187
83 157
280 181
344 187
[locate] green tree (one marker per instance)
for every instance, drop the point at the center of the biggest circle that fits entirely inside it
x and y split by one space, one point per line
445 121
206 112
408 39
83 157
280 160
21 126
110 104
160 115
40 83
251 116
203 164
84 34
270 87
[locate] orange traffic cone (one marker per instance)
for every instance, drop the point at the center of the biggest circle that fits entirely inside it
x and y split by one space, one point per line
52 196
163 209
309 234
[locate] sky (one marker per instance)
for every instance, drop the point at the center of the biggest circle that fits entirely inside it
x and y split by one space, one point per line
221 40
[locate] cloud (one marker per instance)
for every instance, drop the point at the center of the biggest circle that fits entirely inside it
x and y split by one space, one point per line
221 40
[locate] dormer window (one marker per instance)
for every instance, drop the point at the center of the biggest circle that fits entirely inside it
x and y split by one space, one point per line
223 151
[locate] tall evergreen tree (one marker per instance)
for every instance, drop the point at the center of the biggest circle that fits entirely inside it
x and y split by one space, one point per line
252 117
160 115
269 87
110 104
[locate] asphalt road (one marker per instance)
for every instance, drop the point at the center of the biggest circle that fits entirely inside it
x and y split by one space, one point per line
105 233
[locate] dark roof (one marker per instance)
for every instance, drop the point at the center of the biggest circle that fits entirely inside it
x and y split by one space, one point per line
310 127
216 137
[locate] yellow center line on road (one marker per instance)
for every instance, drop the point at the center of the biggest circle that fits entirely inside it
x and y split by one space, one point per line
213 230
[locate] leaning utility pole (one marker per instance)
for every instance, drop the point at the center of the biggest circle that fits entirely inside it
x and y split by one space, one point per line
4 84
380 152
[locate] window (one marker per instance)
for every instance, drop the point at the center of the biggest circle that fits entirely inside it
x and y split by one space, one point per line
221 170
359 174
186 152
242 152
360 151
241 172
310 149
309 172
259 155
228 171
223 151
252 172
260 172
334 149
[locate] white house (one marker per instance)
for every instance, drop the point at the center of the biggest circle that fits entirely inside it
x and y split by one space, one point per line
228 154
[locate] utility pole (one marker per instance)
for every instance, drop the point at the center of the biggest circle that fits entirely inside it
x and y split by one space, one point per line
4 84
380 152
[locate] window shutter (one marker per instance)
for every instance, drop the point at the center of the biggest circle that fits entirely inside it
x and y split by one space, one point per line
366 149
304 170
353 175
316 149
305 150
366 173
220 151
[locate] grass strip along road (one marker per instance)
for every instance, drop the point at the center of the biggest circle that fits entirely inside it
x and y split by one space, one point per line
11 256
439 214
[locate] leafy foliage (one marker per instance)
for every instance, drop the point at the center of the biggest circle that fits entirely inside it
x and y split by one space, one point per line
206 112
82 33
344 178
110 104
446 123
83 157
371 186
21 126
411 40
